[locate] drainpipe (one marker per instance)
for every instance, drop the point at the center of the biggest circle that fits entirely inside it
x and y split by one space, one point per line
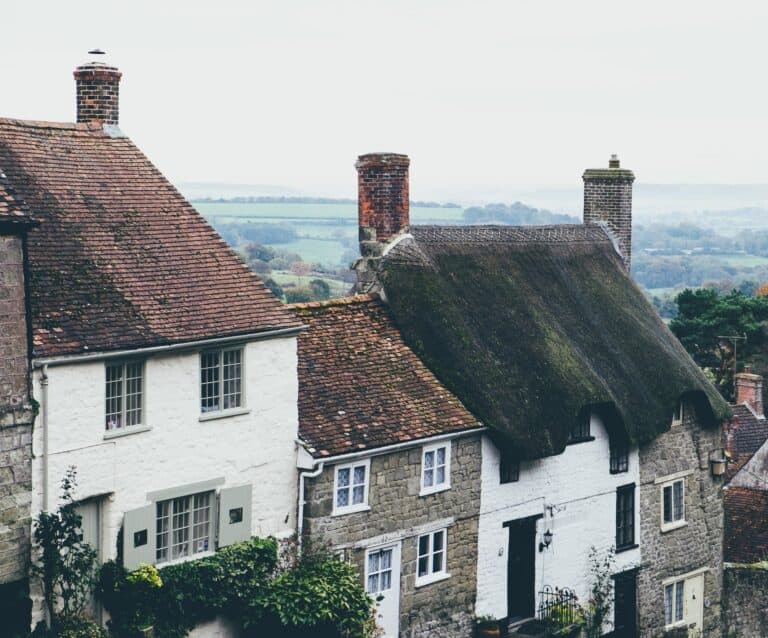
44 410
305 475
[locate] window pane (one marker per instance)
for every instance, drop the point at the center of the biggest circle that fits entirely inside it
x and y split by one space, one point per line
437 542
373 584
342 477
678 491
209 382
386 559
440 477
667 504
373 561
423 545
668 605
437 562
386 580
342 497
133 392
441 456
359 477
429 459
358 495
114 394
423 565
679 590
429 479
232 373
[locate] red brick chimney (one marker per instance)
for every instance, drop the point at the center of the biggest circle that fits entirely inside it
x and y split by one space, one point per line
608 200
749 390
98 92
382 205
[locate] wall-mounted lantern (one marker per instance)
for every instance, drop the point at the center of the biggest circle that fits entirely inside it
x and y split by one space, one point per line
547 541
718 459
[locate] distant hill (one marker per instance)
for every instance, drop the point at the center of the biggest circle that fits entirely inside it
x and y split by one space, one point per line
289 199
517 214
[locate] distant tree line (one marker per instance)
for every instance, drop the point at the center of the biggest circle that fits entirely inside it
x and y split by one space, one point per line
517 214
266 199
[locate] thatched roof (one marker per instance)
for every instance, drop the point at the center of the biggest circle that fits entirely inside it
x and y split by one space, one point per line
530 326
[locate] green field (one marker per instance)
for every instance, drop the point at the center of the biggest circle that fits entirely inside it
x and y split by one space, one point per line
743 261
325 231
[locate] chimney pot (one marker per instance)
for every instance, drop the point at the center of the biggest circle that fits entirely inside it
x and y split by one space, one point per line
98 91
614 161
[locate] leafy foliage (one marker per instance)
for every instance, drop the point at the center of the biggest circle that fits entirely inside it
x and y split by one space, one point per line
705 317
313 591
596 612
66 566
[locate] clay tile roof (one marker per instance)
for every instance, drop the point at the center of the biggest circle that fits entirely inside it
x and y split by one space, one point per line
120 259
746 525
12 209
751 432
361 387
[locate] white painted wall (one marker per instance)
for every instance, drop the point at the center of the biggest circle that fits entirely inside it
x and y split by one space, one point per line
581 489
256 448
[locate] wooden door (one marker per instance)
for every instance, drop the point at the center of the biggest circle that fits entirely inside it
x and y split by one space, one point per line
382 582
521 569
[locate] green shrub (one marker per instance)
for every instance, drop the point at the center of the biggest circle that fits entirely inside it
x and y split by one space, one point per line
308 591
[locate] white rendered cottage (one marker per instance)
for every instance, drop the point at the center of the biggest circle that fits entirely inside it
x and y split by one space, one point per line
164 370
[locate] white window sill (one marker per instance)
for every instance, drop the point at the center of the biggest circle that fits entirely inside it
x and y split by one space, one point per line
428 580
185 559
126 431
426 491
223 414
669 527
342 511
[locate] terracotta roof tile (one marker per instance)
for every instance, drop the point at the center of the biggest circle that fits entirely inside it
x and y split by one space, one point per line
746 525
120 258
361 387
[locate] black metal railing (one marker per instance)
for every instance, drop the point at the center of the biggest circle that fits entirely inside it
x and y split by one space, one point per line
558 608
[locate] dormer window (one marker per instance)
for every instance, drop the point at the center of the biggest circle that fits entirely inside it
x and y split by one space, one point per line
677 414
619 457
580 430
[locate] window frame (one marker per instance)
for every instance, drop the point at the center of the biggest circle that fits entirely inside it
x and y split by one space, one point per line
123 364
673 523
431 575
509 469
581 430
446 484
222 411
356 507
674 586
678 414
622 493
170 531
619 458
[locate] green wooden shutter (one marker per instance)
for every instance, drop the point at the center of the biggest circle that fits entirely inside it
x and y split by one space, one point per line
234 514
139 537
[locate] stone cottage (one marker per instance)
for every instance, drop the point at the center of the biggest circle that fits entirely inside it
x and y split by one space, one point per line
164 370
391 478
16 412
600 426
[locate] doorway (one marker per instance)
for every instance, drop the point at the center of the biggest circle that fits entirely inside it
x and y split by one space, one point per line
90 513
382 582
521 568
625 605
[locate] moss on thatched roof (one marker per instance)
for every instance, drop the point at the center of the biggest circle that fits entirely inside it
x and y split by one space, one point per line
531 326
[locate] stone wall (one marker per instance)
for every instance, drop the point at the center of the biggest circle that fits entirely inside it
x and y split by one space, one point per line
697 544
442 609
15 415
745 602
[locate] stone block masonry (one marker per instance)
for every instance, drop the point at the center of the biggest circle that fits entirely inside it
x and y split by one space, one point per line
696 544
745 601
15 415
442 609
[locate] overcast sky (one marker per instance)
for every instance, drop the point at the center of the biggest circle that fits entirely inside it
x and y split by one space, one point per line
481 95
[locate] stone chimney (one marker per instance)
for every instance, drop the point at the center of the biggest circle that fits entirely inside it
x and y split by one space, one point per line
608 201
749 390
382 210
98 92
